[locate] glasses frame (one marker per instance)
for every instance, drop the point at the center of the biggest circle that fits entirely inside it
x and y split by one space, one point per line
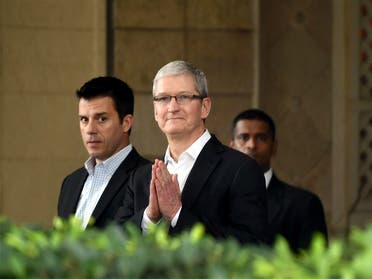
180 99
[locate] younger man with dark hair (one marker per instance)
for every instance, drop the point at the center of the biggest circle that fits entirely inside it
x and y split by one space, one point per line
97 189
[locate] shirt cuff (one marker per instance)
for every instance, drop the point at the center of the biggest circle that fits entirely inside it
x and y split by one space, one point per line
175 218
146 222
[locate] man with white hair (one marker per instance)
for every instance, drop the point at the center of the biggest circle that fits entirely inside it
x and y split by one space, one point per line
199 180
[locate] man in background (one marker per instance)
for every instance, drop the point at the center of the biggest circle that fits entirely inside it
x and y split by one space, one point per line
294 213
97 189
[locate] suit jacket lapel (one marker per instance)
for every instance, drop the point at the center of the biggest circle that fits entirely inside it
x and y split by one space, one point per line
206 162
119 177
274 196
74 195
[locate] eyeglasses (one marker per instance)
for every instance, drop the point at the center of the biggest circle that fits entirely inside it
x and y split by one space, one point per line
180 99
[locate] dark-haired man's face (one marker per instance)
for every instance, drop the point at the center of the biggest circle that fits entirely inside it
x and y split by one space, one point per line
102 131
253 138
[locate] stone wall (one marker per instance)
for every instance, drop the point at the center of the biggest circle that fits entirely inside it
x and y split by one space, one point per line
295 80
48 49
217 36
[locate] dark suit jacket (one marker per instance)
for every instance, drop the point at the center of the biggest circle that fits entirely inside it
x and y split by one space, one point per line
294 213
225 191
112 196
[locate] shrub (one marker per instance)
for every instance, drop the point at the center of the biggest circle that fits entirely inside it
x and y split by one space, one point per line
66 251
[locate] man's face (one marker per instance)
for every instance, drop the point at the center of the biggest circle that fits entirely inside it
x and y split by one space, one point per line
253 137
102 133
176 119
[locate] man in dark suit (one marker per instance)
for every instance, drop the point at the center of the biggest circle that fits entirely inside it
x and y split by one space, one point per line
97 189
200 180
294 213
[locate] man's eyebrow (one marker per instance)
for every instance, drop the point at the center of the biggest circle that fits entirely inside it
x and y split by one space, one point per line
96 114
100 113
178 93
262 135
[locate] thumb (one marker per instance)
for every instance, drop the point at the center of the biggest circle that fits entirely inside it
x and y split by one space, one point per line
174 178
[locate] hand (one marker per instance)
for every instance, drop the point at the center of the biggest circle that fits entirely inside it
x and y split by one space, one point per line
167 191
152 210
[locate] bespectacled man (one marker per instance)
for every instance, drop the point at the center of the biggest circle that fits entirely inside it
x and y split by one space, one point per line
199 180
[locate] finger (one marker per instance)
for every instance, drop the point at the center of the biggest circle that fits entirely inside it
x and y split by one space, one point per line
152 195
175 183
174 178
162 173
153 172
163 167
156 162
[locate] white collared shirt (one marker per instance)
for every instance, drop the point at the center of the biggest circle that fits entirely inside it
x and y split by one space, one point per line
98 178
186 160
182 168
268 176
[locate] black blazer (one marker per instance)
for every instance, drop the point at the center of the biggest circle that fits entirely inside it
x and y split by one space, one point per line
294 213
225 191
112 196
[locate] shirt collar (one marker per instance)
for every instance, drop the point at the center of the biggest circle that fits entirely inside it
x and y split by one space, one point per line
194 149
110 164
268 175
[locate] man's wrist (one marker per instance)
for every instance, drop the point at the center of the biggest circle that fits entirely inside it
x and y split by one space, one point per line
152 217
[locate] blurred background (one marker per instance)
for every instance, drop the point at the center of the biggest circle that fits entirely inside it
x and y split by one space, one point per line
308 63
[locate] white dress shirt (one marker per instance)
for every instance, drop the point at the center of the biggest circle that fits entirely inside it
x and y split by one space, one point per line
268 176
97 180
182 168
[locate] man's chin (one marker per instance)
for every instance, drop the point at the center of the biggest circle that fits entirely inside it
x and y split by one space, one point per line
174 131
95 155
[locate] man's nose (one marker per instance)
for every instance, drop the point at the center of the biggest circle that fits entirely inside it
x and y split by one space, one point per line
251 143
173 105
91 127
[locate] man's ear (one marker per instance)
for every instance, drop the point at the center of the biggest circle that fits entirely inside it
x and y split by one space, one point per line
206 107
232 144
155 112
127 123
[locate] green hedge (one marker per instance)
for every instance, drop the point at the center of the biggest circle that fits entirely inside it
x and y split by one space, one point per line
65 251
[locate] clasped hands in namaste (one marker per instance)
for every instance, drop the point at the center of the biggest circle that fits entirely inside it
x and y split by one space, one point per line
165 195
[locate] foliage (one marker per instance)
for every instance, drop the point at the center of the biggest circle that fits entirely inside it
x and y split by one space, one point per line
66 251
